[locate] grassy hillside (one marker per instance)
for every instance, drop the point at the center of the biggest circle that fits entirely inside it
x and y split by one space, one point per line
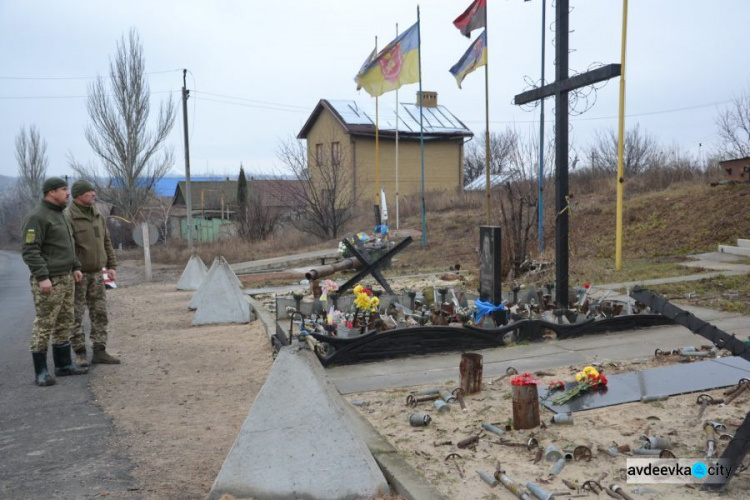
659 229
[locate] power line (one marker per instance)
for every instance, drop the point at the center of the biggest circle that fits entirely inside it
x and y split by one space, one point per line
254 100
612 117
74 77
276 106
72 96
307 110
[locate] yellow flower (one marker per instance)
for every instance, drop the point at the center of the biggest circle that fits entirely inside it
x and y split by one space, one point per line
374 303
362 301
579 376
590 370
358 289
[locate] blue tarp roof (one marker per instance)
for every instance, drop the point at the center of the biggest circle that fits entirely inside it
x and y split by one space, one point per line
167 185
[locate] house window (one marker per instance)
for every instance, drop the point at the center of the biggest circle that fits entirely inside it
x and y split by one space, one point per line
318 154
335 153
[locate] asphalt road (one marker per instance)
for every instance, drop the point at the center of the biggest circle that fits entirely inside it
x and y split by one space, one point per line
53 440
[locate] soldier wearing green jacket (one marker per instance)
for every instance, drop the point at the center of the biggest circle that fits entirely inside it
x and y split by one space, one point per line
94 250
49 252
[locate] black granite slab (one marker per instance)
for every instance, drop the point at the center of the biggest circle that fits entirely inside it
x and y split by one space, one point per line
663 381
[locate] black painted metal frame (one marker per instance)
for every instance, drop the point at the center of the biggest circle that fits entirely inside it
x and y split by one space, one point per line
372 268
719 337
430 339
733 456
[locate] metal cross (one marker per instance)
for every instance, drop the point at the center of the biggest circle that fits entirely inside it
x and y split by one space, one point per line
560 88
372 267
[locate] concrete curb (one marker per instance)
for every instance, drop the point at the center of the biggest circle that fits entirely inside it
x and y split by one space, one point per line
264 315
283 262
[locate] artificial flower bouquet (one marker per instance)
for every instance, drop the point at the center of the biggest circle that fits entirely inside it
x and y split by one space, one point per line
589 379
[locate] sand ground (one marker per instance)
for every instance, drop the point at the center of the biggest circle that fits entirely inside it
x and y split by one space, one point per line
426 448
182 392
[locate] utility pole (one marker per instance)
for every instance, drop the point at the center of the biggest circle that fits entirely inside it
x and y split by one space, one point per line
188 197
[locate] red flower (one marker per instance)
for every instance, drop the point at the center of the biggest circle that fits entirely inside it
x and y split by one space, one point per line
524 379
556 385
597 381
587 286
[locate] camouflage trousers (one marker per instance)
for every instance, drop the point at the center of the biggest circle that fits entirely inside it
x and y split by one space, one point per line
90 292
54 312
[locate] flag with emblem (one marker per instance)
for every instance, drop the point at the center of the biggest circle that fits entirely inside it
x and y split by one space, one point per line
473 18
475 57
396 65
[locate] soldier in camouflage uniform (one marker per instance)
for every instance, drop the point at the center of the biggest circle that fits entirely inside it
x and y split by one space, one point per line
49 251
94 250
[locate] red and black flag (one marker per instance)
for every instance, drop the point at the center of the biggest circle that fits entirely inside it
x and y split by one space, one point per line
473 18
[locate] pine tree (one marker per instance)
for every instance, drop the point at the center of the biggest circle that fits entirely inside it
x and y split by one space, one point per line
242 190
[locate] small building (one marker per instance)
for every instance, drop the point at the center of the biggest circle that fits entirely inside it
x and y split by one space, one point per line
280 196
737 170
214 205
344 130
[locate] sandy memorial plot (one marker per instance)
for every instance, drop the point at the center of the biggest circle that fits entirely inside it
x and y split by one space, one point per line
426 448
182 392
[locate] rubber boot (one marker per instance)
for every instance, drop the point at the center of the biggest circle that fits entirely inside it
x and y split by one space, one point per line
101 356
81 359
63 364
43 378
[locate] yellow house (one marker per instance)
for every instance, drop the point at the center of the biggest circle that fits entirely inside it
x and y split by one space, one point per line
343 131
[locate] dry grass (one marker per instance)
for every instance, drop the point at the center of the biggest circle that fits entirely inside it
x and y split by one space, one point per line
726 293
660 227
286 241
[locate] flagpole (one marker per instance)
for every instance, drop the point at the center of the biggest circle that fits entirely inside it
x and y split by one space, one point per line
421 127
397 105
488 187
621 142
377 156
540 198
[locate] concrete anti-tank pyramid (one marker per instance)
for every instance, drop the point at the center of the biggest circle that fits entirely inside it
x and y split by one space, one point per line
222 301
231 273
204 285
193 275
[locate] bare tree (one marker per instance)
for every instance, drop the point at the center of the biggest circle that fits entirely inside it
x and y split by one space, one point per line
262 219
325 189
734 128
501 145
255 220
11 216
642 151
31 155
133 157
519 194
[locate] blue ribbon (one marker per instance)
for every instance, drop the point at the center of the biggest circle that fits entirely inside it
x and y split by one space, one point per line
485 309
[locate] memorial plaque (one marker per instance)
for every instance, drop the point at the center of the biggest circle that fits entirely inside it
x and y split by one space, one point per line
490 275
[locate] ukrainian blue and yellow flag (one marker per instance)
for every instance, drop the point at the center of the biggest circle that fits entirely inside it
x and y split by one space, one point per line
475 57
396 65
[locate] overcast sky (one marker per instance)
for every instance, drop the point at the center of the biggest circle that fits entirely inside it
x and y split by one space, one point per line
257 68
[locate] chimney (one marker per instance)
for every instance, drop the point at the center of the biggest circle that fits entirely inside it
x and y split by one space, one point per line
429 98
